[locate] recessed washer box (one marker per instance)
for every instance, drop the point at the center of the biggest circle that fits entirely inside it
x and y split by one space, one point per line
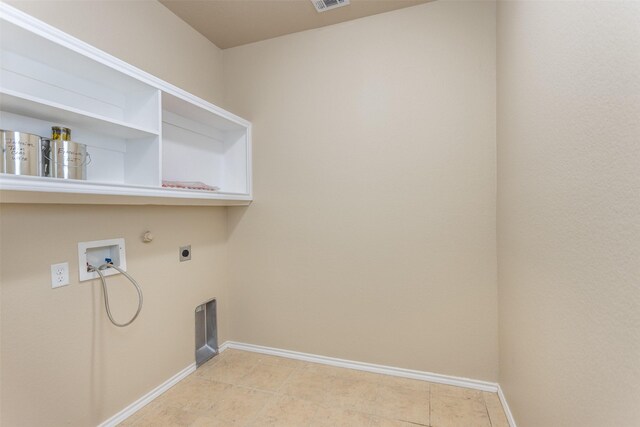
94 253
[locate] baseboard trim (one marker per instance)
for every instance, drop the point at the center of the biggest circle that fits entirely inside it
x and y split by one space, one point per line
147 398
223 347
368 367
505 406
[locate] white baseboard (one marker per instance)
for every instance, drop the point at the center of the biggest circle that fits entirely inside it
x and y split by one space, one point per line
147 398
369 367
505 406
223 347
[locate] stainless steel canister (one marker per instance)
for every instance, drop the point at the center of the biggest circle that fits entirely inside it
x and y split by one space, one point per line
22 153
68 159
45 155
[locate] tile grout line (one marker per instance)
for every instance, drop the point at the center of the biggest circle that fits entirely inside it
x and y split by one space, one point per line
277 394
486 408
257 415
430 394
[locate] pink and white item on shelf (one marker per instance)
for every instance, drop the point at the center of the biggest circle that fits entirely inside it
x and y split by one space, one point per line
189 185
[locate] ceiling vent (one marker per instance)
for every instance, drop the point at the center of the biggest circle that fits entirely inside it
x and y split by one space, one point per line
324 5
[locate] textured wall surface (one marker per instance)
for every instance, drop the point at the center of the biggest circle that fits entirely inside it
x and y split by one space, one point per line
569 212
58 347
372 233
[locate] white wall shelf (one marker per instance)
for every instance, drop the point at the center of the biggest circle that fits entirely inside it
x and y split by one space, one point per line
138 129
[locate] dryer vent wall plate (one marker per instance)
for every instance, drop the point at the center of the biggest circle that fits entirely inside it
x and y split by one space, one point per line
94 253
324 5
206 331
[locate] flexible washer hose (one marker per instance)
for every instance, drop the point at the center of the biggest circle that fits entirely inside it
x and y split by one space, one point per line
106 295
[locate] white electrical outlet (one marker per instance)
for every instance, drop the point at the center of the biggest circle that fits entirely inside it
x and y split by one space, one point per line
59 274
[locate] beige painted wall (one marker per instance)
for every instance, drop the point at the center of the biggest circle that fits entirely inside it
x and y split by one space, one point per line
372 233
569 212
62 362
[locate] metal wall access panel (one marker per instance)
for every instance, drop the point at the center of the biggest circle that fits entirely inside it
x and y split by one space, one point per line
206 332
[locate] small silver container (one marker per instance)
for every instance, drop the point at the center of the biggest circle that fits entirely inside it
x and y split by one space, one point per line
68 159
23 153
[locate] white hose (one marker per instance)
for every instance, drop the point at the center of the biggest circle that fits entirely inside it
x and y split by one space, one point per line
106 295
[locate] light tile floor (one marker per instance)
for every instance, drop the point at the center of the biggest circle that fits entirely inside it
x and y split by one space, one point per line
239 388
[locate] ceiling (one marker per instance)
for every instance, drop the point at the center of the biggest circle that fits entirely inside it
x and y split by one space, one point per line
230 23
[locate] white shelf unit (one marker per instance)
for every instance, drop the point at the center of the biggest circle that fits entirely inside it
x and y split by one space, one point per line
139 130
200 145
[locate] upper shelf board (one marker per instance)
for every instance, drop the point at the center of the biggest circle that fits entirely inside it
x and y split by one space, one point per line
26 105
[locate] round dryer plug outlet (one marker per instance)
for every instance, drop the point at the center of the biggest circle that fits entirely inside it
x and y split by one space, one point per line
185 253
